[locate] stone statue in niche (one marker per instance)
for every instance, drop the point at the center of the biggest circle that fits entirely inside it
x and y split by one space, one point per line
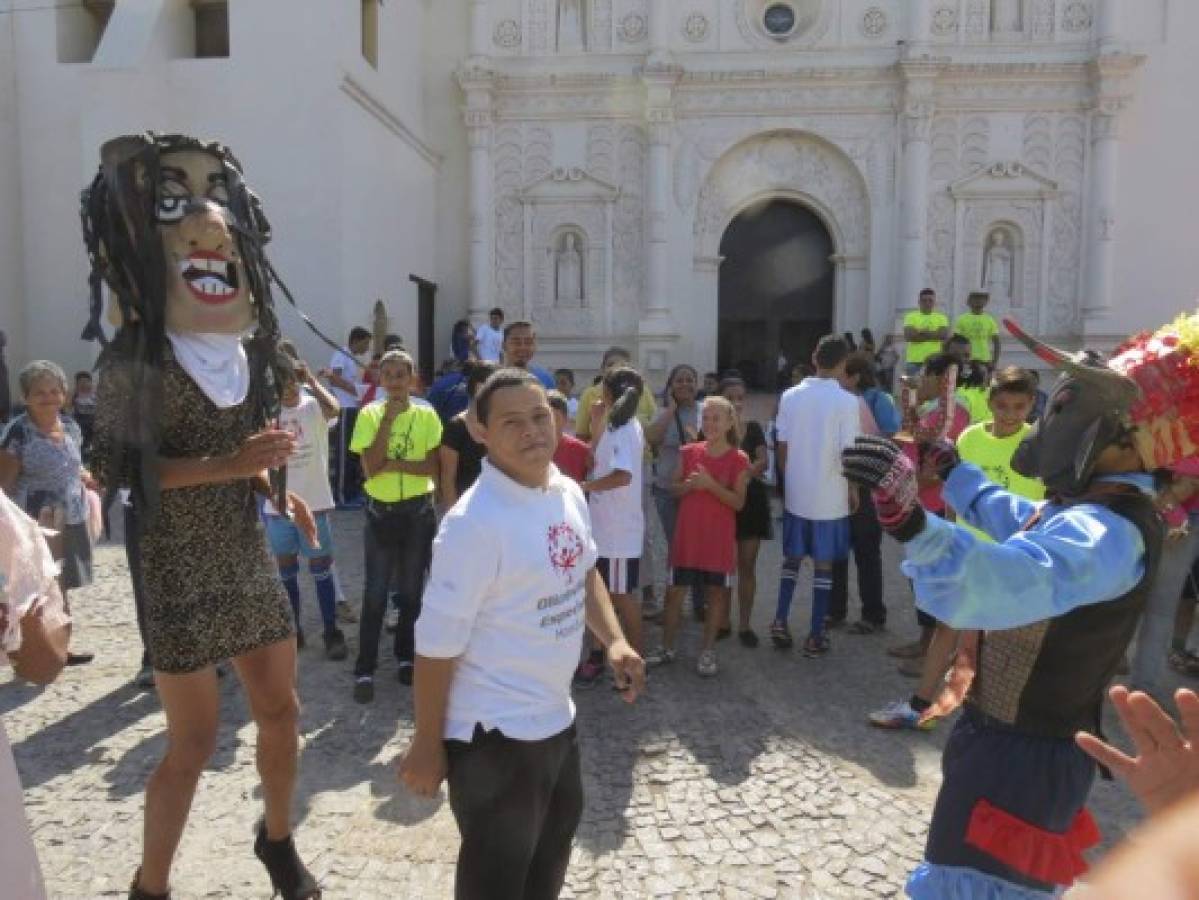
570 26
998 268
1005 16
569 273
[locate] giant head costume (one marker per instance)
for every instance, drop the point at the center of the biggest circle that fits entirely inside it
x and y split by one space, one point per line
172 229
1146 397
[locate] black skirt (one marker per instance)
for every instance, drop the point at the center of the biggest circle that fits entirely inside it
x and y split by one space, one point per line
753 521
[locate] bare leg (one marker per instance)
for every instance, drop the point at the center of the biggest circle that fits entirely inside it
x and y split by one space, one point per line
718 612
629 610
269 676
936 662
747 580
192 705
671 614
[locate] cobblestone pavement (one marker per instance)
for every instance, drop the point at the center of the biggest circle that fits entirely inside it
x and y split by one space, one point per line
763 782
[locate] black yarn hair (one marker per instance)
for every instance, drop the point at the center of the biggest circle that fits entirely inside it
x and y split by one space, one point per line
625 385
125 252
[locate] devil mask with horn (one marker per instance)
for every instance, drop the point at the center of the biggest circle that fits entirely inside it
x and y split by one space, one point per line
1145 398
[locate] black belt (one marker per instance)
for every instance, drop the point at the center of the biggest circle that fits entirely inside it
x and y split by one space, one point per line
388 506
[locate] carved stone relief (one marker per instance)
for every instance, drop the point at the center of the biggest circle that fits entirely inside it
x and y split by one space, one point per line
538 26
1077 17
958 147
507 34
521 154
874 23
633 28
944 21
696 28
1042 20
786 164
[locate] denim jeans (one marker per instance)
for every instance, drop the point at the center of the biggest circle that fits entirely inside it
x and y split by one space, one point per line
1157 621
398 540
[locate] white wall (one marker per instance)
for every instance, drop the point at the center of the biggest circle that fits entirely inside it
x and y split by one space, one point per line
1157 235
12 288
351 203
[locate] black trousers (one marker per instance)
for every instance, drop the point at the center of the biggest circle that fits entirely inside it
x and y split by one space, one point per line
398 542
346 478
866 538
517 805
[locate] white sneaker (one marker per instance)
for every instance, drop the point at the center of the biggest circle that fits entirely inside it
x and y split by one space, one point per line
706 665
659 657
901 715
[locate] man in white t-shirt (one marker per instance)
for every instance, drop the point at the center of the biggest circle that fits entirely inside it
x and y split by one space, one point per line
306 410
513 583
817 419
614 489
490 337
345 377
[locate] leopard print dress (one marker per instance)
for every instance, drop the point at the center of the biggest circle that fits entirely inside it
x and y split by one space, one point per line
211 589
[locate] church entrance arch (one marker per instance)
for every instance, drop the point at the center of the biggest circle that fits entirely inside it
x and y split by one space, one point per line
807 196
776 290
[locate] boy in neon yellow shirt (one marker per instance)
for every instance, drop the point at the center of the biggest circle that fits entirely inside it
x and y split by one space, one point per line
981 329
397 440
990 446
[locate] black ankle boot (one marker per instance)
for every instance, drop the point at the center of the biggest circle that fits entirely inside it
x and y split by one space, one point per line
290 879
136 893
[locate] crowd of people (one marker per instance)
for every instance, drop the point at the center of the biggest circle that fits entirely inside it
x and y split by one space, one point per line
529 537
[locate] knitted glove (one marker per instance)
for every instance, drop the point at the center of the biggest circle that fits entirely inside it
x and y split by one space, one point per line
881 465
940 458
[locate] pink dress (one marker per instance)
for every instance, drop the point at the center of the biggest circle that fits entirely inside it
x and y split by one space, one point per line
27 583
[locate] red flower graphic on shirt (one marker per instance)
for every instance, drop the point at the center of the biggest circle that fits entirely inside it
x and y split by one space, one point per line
565 548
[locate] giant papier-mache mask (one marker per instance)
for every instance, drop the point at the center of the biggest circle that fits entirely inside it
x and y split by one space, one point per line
173 230
1146 396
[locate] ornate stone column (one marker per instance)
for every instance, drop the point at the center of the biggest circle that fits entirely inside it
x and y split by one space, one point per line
476 80
656 330
1112 73
915 125
480 37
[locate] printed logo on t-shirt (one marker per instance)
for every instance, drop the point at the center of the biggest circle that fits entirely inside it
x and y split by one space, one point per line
565 549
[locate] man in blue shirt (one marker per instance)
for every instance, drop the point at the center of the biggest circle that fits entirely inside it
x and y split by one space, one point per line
1058 596
520 346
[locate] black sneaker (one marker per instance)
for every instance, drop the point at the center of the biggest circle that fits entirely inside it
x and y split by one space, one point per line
335 644
405 674
364 689
748 638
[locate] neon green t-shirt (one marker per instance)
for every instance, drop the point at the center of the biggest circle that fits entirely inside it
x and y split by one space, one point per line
978 399
979 329
919 351
414 433
994 456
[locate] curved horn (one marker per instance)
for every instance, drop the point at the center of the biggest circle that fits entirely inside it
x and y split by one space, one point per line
1067 362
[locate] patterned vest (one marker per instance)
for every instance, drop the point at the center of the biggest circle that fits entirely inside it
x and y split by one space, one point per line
1048 678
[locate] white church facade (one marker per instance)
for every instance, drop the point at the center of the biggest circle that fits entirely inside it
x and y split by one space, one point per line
958 144
710 181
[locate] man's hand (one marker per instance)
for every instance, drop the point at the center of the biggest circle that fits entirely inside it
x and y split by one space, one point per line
629 669
1166 767
423 766
881 465
301 514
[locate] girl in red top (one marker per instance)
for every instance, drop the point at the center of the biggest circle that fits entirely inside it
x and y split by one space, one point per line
710 482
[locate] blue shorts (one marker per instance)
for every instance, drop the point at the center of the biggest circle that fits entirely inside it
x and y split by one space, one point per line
825 540
285 538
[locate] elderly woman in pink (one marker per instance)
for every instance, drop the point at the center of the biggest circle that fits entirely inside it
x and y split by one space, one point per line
34 630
